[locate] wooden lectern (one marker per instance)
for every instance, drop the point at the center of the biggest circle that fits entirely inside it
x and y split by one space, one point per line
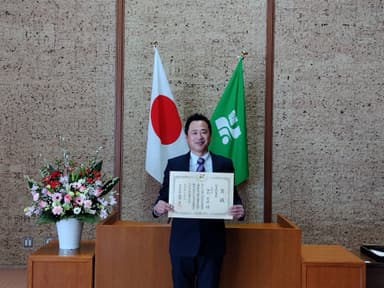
135 254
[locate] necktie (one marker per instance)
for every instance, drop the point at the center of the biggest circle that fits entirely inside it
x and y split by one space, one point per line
200 167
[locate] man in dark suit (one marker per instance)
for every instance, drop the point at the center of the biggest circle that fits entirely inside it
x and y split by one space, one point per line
197 246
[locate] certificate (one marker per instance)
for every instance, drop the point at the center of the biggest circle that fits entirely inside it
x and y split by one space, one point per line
206 195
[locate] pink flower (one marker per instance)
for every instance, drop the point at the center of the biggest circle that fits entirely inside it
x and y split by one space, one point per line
42 204
76 185
67 198
87 203
79 200
98 191
57 197
35 196
56 210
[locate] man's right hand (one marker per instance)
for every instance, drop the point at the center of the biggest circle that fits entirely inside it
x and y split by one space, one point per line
161 208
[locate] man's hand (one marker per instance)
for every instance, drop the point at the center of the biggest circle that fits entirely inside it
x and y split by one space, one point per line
161 208
237 211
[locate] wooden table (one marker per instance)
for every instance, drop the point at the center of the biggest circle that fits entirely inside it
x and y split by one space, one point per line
331 266
51 267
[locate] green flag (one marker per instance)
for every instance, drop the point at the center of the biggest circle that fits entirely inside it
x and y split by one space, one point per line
229 131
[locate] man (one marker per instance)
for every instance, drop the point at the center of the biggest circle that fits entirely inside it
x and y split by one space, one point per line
197 246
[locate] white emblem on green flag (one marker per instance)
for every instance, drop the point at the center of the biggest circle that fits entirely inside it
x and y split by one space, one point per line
229 132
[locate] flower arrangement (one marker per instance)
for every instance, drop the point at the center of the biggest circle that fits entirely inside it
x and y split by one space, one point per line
70 190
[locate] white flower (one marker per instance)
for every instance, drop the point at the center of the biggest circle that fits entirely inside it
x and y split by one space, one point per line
112 200
29 211
91 211
103 202
77 210
103 213
64 179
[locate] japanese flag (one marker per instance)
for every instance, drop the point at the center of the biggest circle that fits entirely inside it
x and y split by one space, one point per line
165 130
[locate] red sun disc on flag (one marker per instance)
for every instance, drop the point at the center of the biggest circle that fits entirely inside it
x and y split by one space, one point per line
165 119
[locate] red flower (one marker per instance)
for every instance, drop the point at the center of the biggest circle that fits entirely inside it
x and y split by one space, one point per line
55 174
54 183
46 179
96 174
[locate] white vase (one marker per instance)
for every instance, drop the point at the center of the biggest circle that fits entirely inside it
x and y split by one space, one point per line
69 233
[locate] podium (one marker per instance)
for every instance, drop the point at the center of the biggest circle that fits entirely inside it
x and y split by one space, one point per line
135 254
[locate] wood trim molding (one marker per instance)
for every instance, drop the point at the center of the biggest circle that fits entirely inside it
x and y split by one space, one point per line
119 98
268 130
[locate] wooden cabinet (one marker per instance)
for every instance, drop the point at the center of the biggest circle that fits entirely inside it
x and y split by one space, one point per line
51 267
331 266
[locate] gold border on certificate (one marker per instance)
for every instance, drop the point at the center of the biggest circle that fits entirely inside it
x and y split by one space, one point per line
207 195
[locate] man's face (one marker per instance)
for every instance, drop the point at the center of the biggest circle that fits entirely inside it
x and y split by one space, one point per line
198 137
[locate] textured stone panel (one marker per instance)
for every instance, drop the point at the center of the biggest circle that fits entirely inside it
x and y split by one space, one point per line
328 160
199 42
56 77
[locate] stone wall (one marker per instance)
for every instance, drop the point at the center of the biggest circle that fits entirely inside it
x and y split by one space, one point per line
328 121
57 76
199 43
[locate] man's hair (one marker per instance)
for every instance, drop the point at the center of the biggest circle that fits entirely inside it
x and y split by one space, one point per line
197 117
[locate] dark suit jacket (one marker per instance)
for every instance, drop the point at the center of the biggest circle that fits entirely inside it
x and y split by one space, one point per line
192 237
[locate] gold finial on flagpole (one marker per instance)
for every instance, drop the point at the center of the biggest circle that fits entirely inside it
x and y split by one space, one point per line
243 54
154 44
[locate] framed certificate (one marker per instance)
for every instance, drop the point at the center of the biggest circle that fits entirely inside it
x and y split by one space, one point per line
200 194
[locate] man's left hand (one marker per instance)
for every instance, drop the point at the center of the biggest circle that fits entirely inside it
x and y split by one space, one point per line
237 211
